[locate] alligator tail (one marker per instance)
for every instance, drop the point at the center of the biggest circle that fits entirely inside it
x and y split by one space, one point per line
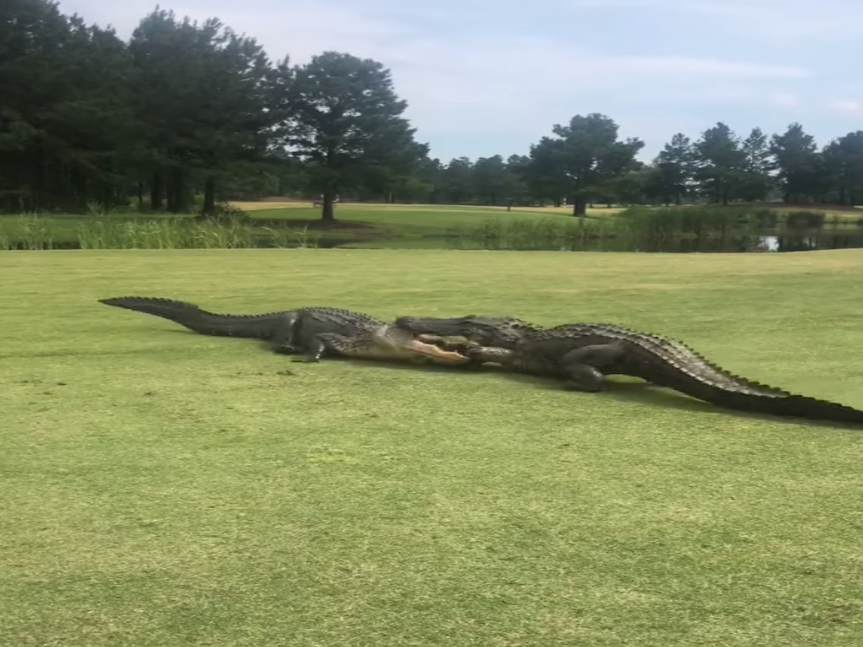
799 406
770 400
189 315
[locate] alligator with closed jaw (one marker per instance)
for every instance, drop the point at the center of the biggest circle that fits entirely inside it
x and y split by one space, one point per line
584 353
314 332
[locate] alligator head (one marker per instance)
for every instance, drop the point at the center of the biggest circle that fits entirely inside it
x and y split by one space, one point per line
503 332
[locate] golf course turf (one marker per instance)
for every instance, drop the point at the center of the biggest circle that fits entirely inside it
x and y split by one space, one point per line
162 488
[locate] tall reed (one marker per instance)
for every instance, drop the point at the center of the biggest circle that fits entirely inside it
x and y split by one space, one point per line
554 233
40 232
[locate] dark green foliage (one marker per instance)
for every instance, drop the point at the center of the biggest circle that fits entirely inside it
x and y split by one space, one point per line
720 164
65 118
797 162
755 181
201 95
669 179
582 158
843 168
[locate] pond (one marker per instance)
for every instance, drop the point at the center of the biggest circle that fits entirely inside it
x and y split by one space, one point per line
552 235
748 240
788 240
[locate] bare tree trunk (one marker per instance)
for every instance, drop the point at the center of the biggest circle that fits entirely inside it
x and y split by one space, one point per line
157 192
327 211
579 206
209 206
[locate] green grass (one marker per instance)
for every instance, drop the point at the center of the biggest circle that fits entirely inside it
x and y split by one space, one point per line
161 488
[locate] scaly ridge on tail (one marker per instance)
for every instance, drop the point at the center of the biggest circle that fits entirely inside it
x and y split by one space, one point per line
191 316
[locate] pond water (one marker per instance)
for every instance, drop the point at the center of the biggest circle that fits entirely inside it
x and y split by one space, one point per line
743 241
765 241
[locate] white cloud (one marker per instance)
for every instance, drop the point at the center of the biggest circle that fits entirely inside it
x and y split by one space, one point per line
847 106
770 18
784 100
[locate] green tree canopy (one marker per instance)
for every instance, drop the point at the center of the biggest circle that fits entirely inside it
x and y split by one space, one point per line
582 158
343 117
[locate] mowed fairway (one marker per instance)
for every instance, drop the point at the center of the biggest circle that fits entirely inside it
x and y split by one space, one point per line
163 488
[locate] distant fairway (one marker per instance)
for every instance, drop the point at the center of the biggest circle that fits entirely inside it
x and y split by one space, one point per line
356 208
405 217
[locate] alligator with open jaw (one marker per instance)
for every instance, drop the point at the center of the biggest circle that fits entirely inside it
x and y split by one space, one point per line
314 331
585 353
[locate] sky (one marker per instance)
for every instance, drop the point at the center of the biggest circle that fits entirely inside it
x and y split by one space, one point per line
486 77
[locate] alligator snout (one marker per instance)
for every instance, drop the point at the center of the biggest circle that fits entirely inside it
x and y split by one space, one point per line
429 325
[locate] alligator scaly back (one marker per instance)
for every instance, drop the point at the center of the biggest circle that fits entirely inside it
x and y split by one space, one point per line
584 353
189 315
672 363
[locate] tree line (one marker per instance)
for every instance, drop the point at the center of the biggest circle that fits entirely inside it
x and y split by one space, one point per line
185 115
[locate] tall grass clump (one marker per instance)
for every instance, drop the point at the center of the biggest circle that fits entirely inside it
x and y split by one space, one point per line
676 223
42 233
556 233
30 232
806 219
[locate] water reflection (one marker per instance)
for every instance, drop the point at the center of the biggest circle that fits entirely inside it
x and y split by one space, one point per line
747 241
787 240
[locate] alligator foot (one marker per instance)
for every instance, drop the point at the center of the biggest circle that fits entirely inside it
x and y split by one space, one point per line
307 359
315 351
286 349
583 365
585 378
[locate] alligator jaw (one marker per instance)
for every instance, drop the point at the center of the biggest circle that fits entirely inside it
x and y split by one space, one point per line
436 353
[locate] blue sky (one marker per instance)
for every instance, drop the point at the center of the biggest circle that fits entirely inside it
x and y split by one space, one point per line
493 76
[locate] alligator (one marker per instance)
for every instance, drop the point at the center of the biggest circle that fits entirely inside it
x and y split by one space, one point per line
310 333
585 353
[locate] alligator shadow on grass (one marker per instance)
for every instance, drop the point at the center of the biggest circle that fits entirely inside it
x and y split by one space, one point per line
623 390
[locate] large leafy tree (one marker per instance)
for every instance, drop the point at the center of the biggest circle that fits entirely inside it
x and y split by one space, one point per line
583 158
457 181
430 171
720 164
202 92
756 180
343 117
796 158
843 164
517 190
628 188
65 122
671 175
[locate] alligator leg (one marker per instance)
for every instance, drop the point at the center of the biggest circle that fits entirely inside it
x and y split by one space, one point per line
316 349
585 365
282 341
